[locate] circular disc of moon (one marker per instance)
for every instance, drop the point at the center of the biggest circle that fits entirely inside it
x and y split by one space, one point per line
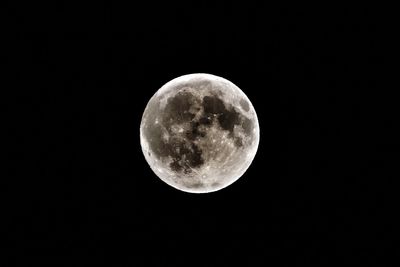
199 133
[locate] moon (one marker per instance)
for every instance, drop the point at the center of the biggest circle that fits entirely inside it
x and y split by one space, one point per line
199 133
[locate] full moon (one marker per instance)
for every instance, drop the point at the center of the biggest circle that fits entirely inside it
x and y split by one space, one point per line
199 133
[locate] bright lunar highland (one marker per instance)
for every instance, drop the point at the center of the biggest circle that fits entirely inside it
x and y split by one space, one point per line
199 133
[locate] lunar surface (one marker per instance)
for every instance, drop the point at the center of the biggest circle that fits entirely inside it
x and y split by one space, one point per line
199 133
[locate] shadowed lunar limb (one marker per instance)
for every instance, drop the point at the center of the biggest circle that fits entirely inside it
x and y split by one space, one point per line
199 133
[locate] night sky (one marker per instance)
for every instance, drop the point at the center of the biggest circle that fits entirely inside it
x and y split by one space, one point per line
77 189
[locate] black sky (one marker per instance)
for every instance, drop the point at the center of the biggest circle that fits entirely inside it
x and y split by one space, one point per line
79 189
